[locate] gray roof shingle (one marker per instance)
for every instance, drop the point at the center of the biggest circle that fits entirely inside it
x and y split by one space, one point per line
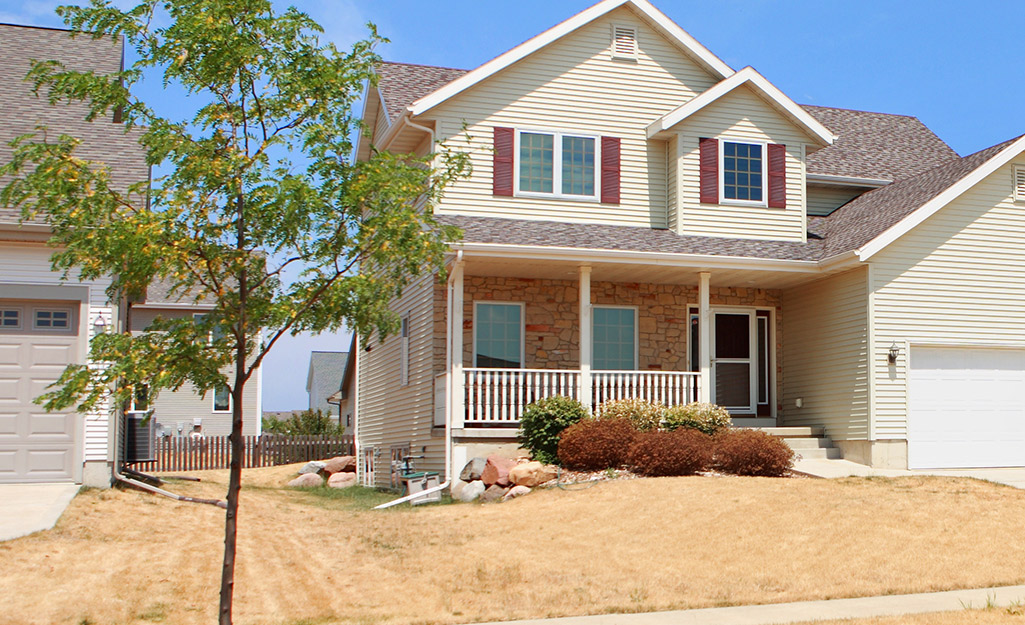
401 84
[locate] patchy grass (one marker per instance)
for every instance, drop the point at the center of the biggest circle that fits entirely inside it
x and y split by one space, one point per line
323 557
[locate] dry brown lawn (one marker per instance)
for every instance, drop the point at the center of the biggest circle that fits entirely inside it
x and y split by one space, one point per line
654 544
997 616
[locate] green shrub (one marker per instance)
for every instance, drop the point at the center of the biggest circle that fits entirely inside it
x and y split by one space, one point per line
542 423
304 423
593 445
643 414
680 452
707 418
750 452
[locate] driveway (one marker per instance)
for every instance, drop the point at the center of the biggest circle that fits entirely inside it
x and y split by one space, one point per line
28 508
1014 476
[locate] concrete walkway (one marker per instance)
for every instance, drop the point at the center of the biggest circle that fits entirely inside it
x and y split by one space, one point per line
804 611
28 508
845 468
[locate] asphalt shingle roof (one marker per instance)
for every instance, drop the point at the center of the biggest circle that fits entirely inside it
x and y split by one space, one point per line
402 84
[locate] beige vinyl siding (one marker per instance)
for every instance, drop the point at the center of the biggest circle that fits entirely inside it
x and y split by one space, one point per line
825 348
183 405
391 414
956 279
573 85
823 200
672 211
741 116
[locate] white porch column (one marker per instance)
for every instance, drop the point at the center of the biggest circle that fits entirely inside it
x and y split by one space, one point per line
585 337
457 405
704 337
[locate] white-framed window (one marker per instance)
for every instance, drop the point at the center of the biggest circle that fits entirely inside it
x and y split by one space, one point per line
624 42
222 398
214 334
742 173
140 399
557 164
614 337
498 335
10 318
1019 183
404 349
51 319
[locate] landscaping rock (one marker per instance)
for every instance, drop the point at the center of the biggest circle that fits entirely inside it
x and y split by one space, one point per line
341 464
342 480
469 492
496 471
313 466
307 480
516 491
493 493
472 470
531 474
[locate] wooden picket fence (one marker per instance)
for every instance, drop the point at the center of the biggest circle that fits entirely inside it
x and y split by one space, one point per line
181 453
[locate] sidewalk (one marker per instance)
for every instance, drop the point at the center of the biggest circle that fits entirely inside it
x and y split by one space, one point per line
845 468
28 508
804 611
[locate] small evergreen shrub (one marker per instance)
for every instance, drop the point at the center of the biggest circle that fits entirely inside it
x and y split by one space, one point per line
707 418
596 444
750 452
304 423
645 415
680 452
542 423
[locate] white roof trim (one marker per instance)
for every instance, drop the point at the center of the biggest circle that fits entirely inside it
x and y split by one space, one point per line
747 76
846 181
930 208
657 19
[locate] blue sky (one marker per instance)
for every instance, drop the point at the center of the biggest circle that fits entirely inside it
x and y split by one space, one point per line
954 65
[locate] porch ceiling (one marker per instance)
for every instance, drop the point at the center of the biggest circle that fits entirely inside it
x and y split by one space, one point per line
620 271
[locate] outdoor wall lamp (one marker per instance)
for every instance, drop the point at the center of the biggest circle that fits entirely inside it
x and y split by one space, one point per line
100 324
894 352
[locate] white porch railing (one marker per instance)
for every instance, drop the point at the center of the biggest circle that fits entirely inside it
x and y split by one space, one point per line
498 396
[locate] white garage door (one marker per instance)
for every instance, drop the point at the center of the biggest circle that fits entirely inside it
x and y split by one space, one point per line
37 340
967 408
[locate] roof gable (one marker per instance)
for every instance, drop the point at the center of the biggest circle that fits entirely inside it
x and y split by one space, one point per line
655 18
746 77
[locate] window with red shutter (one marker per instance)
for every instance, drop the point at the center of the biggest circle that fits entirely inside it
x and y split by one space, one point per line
610 170
709 151
777 175
502 180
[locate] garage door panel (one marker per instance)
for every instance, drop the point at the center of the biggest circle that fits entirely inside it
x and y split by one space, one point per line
10 390
966 408
10 354
8 424
51 356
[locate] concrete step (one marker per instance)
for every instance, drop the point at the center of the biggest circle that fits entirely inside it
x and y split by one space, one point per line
829 453
819 442
793 431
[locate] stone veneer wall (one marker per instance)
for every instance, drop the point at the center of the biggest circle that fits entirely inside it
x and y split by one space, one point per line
552 335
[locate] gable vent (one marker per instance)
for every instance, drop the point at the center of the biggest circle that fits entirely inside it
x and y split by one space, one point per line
624 42
1019 184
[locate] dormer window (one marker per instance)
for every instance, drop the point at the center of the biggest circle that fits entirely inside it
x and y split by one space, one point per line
742 178
737 172
624 42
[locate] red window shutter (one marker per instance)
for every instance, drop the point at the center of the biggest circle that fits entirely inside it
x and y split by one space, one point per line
610 170
777 175
709 170
502 180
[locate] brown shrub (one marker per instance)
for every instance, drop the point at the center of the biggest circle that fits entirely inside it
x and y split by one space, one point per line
750 452
593 445
679 452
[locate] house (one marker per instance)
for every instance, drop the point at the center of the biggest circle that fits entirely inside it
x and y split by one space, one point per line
45 321
325 378
345 396
643 220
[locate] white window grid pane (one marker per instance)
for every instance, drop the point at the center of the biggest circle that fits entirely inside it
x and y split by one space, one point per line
577 166
537 158
498 334
613 338
742 171
10 318
222 399
59 319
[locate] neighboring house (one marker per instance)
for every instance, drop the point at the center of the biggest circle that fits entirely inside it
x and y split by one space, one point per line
45 321
345 396
324 378
643 220
180 412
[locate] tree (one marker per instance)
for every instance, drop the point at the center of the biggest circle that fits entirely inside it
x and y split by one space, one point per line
258 182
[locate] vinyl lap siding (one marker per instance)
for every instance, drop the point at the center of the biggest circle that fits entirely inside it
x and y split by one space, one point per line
825 348
574 86
741 116
825 200
392 414
957 278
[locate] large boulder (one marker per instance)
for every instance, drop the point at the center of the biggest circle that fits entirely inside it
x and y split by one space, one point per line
307 480
340 464
342 480
473 469
493 493
467 492
516 491
531 474
496 470
313 466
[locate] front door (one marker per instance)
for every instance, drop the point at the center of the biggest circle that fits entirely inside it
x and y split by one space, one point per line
733 371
